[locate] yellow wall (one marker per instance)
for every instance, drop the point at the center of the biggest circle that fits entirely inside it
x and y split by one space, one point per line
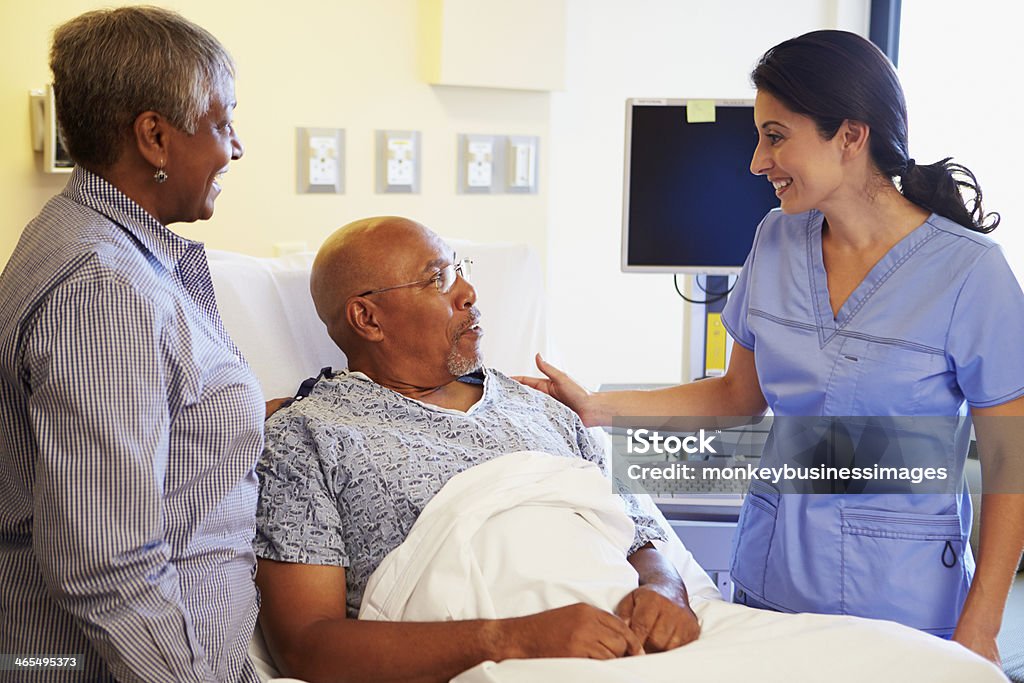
351 64
496 43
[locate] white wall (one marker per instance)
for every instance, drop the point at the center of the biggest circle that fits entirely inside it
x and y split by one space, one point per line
965 99
607 326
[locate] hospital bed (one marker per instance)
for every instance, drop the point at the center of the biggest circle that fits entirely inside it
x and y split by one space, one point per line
266 308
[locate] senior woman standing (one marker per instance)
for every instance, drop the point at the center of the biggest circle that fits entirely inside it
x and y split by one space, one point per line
130 422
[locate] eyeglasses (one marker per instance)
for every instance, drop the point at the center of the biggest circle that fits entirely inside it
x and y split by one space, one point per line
443 279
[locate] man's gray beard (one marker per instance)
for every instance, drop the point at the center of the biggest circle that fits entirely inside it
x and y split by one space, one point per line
459 365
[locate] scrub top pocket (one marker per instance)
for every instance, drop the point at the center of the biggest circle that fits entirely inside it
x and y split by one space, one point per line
903 567
868 374
753 540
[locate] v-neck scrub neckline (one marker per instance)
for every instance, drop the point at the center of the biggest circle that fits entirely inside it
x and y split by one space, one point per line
876 277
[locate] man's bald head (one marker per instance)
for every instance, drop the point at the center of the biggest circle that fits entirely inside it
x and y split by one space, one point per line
364 255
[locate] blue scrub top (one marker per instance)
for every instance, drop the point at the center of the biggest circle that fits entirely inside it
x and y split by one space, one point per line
937 321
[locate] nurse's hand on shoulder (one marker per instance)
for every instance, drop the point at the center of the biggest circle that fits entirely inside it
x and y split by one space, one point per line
659 621
560 386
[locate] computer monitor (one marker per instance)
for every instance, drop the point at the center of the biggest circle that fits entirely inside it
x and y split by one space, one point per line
690 203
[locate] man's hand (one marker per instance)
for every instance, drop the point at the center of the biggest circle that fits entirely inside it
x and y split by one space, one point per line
275 404
661 622
578 630
658 612
560 386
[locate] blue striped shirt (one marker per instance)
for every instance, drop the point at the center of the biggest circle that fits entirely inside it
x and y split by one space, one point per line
129 429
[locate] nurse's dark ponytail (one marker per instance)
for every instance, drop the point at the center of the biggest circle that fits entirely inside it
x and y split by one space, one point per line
941 188
833 76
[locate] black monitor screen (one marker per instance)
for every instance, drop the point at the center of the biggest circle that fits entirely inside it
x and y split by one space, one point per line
691 202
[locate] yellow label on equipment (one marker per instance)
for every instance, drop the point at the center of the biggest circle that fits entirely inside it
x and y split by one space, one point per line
714 356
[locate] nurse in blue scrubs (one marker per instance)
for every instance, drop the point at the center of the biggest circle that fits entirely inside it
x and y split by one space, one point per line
872 291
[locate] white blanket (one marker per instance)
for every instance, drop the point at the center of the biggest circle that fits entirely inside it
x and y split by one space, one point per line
528 532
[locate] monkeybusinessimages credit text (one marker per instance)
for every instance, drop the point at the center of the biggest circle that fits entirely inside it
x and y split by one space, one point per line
646 443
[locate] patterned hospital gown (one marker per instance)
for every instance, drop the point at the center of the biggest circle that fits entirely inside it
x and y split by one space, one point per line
346 471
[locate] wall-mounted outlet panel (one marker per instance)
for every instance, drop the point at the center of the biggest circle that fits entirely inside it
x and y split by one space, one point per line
521 153
398 161
320 160
480 170
46 132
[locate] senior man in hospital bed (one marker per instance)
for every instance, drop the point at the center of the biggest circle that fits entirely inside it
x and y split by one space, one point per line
465 518
348 470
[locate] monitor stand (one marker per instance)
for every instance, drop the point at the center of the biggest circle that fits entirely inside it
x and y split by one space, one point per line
706 344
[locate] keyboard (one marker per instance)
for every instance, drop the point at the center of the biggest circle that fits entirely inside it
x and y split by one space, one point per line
698 487
700 497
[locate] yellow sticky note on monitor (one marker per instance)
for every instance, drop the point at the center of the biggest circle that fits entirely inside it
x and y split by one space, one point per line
700 111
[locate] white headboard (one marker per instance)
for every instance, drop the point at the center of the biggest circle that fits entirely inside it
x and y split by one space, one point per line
267 310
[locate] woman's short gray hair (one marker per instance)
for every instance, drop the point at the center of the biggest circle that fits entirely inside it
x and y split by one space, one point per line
109 66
